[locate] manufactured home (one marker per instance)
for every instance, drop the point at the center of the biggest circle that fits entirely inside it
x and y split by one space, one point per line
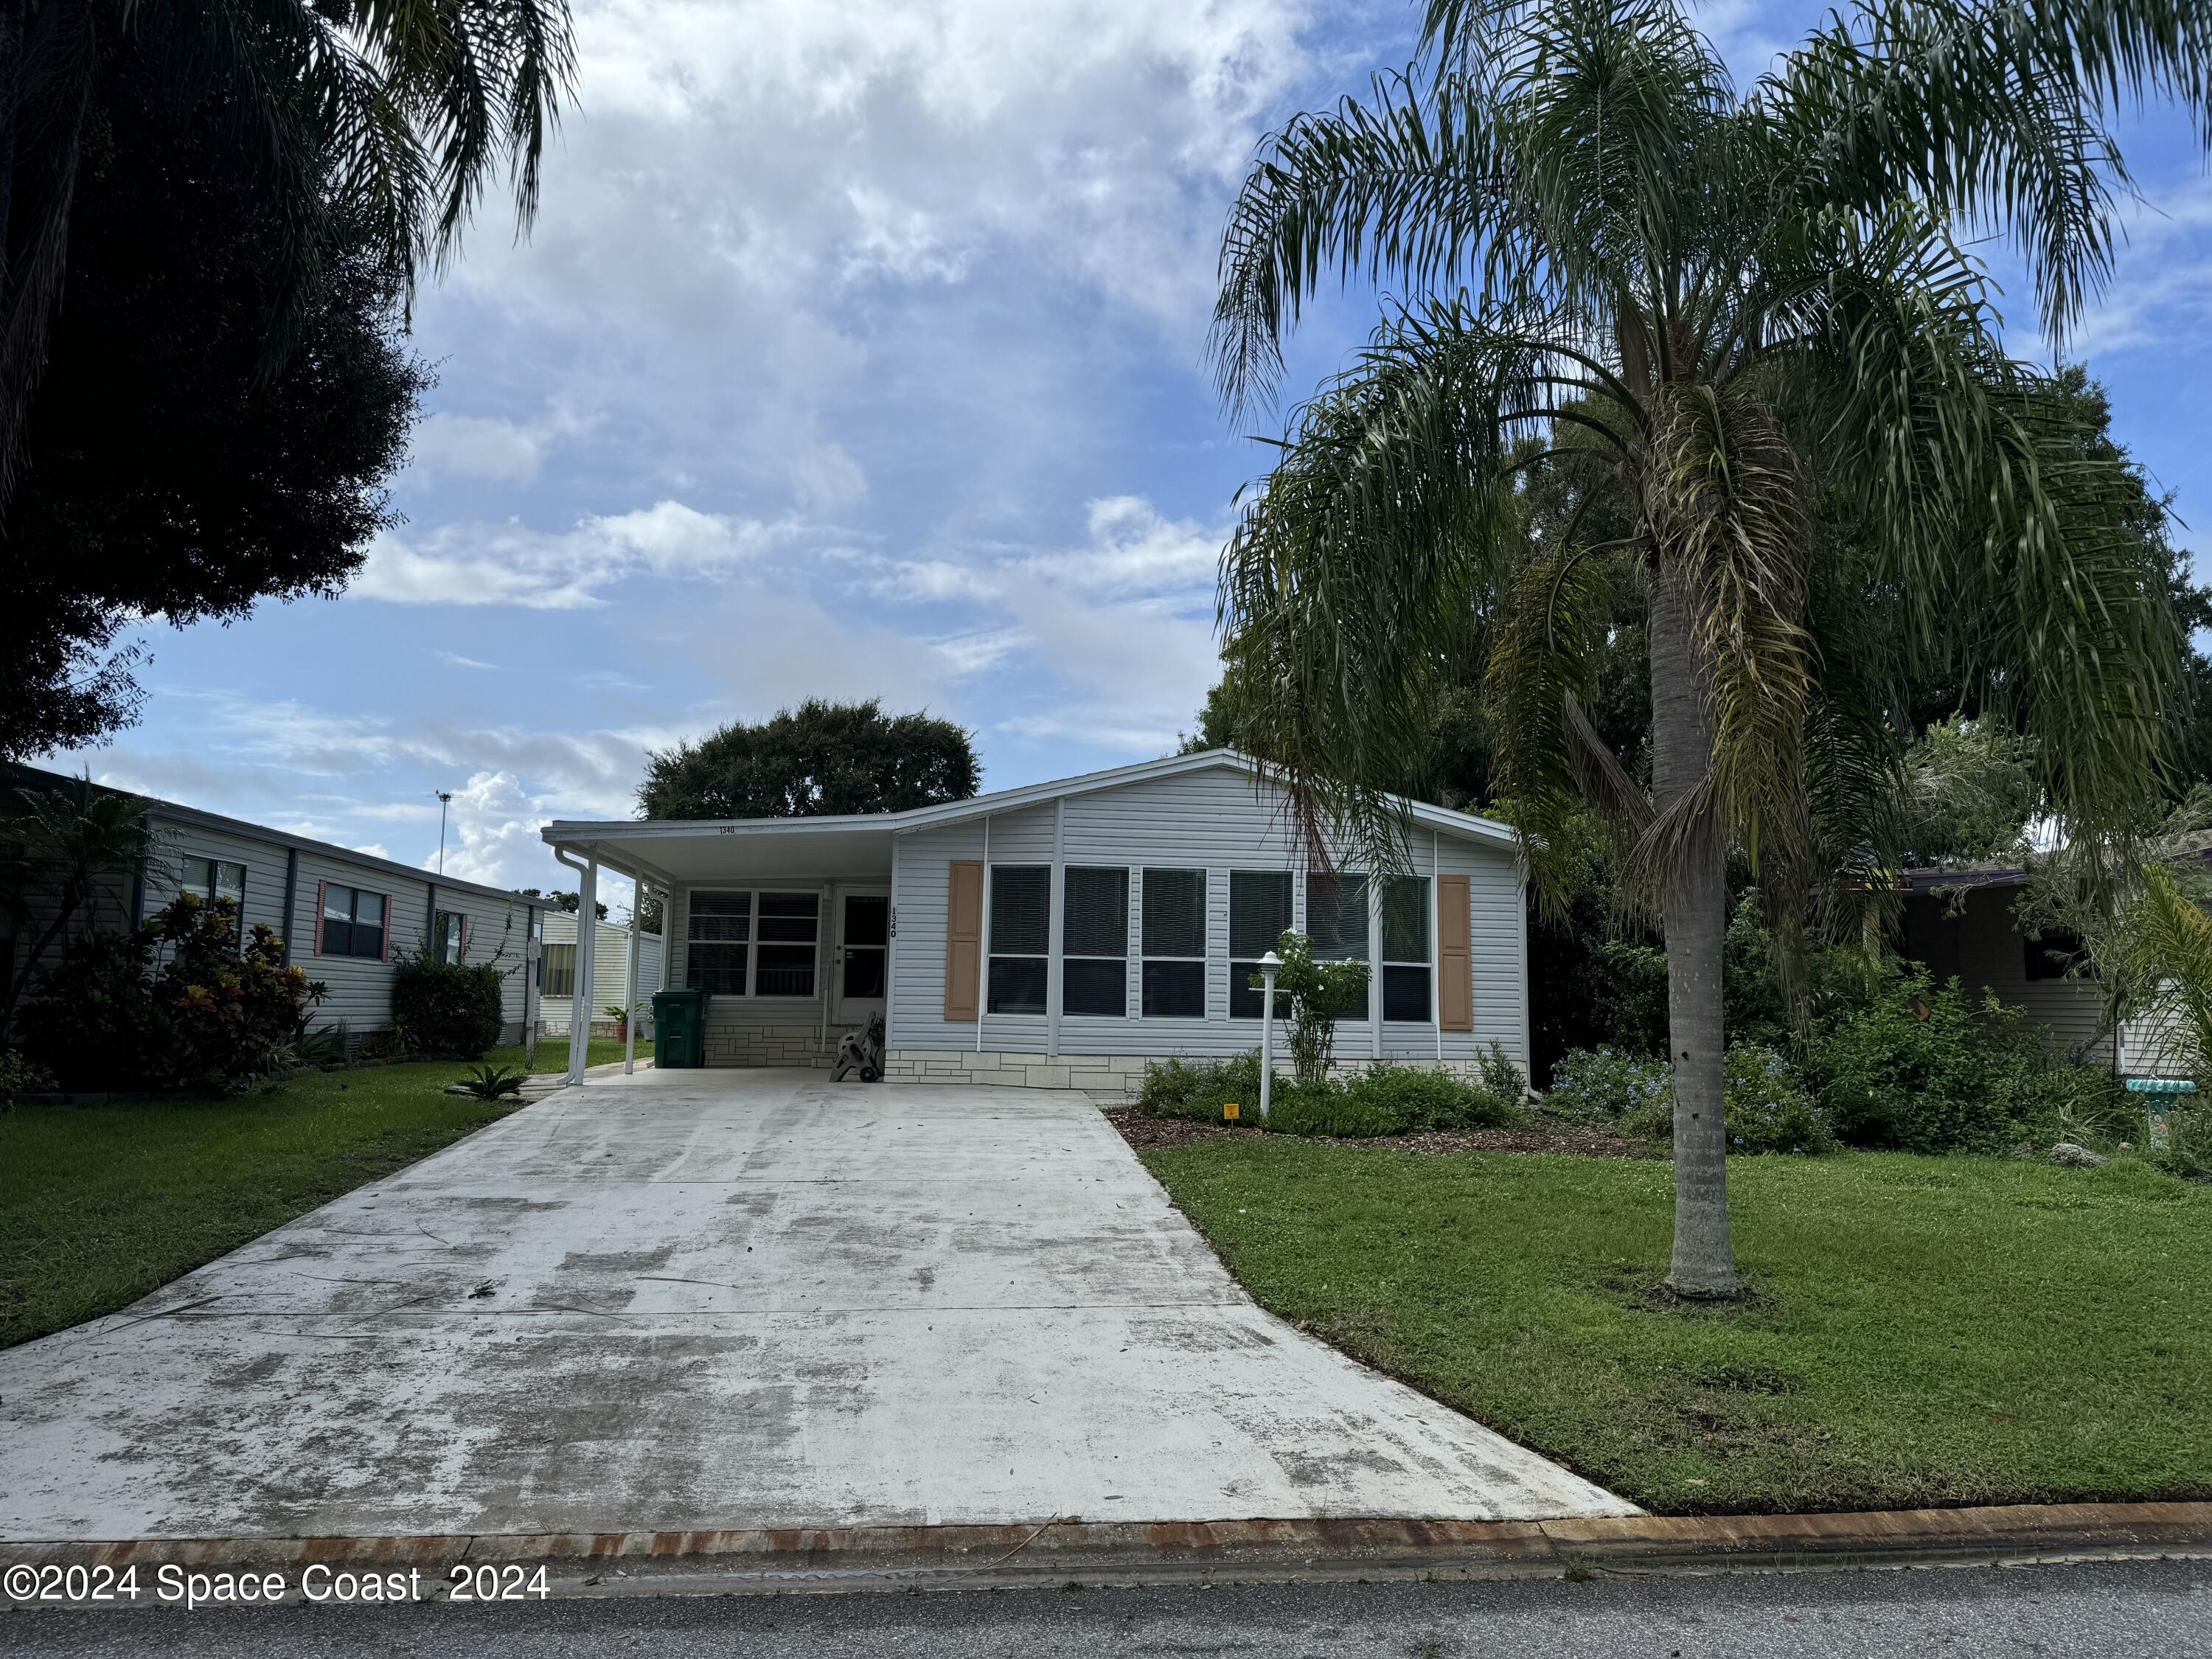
1065 934
345 917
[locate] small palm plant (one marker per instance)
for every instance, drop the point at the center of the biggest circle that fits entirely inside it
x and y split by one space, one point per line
491 1082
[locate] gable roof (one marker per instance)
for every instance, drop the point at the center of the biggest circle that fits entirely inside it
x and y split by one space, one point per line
37 777
1467 825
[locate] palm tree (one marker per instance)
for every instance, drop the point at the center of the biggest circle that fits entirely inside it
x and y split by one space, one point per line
392 114
1743 324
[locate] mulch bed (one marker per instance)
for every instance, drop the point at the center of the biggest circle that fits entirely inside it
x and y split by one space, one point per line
1147 1134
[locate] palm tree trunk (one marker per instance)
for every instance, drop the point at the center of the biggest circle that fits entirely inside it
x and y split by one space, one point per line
1695 906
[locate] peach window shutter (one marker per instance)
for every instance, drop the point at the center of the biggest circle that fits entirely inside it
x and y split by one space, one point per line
964 938
1455 955
322 889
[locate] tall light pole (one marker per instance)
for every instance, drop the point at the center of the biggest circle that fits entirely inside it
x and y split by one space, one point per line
444 795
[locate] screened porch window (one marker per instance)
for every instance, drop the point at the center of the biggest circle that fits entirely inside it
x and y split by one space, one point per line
762 944
1094 975
784 944
718 937
1021 937
1175 944
1406 950
1259 916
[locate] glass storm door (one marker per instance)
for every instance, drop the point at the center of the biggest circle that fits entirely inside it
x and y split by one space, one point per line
863 938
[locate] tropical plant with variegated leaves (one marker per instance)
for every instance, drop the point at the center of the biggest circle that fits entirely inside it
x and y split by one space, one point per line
1744 329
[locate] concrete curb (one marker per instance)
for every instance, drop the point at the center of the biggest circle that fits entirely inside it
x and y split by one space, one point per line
800 1559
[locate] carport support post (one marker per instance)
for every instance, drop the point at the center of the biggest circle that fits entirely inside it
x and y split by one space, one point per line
629 985
587 943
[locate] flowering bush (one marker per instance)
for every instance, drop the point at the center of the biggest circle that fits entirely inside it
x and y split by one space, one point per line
1601 1087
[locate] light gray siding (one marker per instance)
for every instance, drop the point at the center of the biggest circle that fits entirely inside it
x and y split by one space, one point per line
360 988
499 935
264 863
1211 820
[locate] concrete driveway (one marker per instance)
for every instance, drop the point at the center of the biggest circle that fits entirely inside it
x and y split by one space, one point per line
730 1299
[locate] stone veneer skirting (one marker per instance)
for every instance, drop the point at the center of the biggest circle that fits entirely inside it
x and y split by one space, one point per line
1110 1079
730 1044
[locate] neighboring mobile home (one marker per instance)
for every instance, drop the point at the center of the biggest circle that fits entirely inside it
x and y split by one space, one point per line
1959 924
345 917
557 975
1066 933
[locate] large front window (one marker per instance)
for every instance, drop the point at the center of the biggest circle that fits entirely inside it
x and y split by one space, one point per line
1094 972
1258 916
1021 937
1175 944
763 945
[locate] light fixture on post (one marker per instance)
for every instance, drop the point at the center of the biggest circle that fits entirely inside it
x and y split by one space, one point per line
445 798
1268 965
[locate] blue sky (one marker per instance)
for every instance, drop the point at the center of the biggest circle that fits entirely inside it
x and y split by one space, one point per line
858 351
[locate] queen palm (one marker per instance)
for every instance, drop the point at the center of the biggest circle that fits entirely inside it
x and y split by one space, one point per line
1744 326
392 115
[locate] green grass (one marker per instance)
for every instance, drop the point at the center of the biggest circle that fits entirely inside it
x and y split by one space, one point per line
553 1054
1923 1332
100 1205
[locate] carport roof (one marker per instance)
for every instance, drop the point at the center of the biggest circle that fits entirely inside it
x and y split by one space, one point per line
859 846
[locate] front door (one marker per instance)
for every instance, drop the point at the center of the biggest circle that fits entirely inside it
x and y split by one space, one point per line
864 956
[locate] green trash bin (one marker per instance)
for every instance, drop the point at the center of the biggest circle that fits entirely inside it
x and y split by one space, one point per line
679 1029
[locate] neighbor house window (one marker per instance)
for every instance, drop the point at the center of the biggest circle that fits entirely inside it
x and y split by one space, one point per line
1021 937
762 943
719 929
1259 916
2050 956
1405 949
1336 916
1094 945
353 922
557 970
1175 944
210 879
449 935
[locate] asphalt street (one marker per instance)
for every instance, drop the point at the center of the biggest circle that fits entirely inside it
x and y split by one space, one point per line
2120 1608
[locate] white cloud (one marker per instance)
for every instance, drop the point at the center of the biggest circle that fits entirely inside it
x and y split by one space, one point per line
454 659
567 570
475 447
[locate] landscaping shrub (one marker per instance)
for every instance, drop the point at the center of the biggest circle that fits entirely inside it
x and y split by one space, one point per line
1388 1100
1415 1099
2188 1149
1768 1109
1923 1068
209 1013
19 1077
450 1008
1601 1087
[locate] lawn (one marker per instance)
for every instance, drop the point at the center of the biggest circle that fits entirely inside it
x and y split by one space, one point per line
553 1054
100 1205
1923 1332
